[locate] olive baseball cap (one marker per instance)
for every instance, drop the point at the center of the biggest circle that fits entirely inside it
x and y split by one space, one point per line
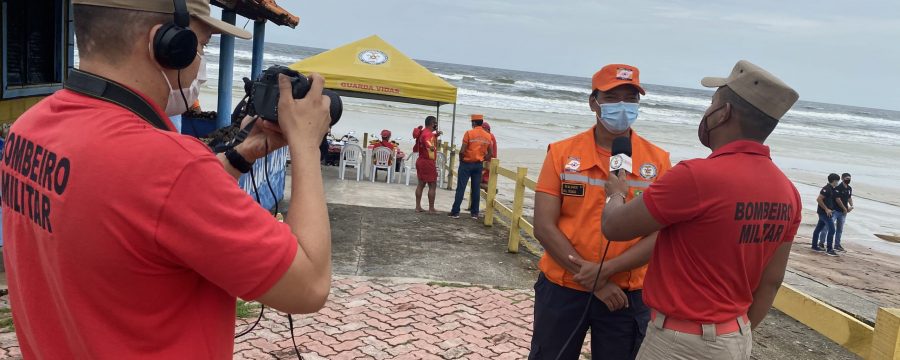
199 9
759 87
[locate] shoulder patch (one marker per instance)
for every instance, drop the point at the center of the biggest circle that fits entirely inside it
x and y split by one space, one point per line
573 164
649 171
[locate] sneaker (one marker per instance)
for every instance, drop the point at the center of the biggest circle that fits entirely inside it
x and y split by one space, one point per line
822 244
455 216
475 217
831 253
839 248
816 248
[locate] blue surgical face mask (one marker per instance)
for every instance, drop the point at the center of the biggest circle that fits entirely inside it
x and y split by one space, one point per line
618 117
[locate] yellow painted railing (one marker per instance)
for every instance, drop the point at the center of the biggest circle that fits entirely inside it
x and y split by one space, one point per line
879 343
512 216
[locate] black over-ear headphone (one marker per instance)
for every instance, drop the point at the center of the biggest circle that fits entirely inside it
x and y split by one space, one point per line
175 44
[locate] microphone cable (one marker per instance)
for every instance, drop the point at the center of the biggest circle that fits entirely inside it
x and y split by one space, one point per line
620 145
274 198
587 306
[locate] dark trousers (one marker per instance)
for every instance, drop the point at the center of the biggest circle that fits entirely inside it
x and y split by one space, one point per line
839 218
614 335
824 222
467 172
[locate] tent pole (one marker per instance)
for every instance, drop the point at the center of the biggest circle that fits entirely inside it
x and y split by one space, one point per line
438 116
226 73
453 127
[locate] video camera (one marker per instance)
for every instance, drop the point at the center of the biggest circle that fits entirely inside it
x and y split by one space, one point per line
263 94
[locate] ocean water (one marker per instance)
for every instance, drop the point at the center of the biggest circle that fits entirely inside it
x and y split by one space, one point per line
530 110
557 103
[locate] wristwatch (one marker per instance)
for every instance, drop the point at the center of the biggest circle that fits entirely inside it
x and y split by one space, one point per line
608 198
238 161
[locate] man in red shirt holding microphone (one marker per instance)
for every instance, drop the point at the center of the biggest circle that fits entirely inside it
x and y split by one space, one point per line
724 236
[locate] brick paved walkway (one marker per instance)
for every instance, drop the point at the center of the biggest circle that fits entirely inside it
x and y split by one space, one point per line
390 319
387 319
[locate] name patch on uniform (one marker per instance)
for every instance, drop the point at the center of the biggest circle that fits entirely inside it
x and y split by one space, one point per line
573 189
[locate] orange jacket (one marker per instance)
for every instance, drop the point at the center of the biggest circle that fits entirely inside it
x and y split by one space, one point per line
575 170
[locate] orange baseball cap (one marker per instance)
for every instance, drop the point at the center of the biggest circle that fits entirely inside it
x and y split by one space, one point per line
477 117
614 75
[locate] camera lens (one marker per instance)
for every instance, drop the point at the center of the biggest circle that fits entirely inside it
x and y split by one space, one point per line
337 106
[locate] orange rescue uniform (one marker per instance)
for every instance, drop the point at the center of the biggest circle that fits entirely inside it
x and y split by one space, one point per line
477 142
575 170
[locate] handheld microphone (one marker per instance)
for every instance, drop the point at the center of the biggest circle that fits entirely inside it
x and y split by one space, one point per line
621 155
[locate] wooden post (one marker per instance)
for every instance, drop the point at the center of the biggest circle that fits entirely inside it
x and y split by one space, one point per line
452 161
518 201
367 165
445 149
491 192
886 341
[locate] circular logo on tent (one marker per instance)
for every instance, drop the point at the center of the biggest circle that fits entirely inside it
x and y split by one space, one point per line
373 57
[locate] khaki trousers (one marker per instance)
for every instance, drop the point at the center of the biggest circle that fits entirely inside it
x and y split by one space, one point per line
666 344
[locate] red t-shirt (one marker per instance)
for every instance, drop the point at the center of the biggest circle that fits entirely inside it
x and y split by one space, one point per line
493 146
386 144
424 143
724 217
127 242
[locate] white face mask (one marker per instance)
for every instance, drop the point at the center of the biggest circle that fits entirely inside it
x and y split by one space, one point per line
178 104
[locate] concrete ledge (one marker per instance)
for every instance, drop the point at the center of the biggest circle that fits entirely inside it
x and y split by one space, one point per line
832 323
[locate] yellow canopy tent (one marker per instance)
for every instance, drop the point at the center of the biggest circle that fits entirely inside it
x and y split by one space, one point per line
373 69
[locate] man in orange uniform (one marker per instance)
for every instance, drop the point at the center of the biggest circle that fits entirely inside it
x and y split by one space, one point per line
476 147
568 204
724 236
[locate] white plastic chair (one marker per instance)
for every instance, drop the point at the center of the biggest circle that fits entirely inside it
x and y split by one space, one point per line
350 157
441 162
383 161
409 164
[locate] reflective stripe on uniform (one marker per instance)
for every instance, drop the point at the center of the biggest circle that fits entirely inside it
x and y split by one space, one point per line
600 182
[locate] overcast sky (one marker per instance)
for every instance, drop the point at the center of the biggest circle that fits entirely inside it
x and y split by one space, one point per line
844 52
